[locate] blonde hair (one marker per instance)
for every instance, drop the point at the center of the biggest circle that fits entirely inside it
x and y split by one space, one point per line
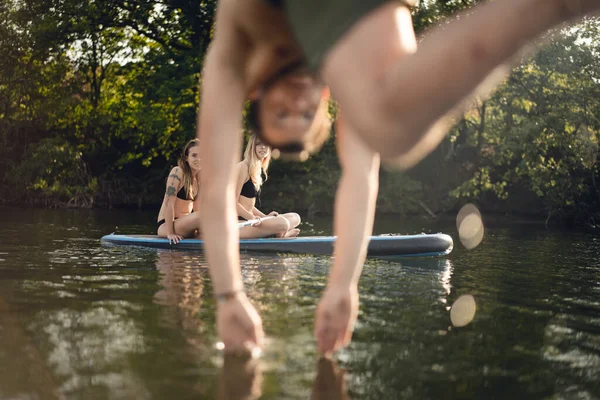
256 166
188 178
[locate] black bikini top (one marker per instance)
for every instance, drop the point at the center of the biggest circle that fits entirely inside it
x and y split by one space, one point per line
249 190
184 196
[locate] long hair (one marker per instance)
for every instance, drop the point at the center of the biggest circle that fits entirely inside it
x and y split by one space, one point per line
256 167
188 178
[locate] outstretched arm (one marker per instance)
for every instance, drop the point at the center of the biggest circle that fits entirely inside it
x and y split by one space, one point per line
219 128
354 214
196 204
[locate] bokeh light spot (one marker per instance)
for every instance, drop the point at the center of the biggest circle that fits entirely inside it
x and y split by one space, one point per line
470 226
463 311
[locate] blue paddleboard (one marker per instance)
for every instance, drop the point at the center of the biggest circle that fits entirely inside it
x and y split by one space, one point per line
423 245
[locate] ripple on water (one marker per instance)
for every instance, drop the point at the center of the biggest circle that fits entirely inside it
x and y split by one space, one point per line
126 322
572 345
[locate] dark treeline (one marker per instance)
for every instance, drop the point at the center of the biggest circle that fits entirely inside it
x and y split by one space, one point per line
98 97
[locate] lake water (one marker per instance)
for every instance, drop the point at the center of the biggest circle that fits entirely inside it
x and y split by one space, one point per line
79 320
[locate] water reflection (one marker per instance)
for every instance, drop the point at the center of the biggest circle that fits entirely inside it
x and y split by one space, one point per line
182 286
240 378
69 327
330 382
274 285
271 282
87 348
572 345
403 330
23 370
444 278
80 320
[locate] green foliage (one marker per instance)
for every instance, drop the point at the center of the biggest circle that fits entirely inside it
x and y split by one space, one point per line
432 12
98 97
541 129
54 174
399 194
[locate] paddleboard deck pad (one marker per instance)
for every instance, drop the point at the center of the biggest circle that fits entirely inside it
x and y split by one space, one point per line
423 245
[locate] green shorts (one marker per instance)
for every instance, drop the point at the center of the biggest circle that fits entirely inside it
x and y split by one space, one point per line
319 24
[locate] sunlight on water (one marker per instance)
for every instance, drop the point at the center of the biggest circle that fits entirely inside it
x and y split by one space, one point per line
445 279
99 340
81 320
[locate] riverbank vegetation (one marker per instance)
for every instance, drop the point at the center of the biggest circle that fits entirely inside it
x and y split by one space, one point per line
98 97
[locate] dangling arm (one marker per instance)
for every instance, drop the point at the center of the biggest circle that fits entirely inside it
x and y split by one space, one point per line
219 128
354 213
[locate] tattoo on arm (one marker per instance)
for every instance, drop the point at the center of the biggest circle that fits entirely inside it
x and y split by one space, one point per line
171 191
174 176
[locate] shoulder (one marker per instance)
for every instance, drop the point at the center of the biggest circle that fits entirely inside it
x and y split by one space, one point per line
176 173
243 165
243 168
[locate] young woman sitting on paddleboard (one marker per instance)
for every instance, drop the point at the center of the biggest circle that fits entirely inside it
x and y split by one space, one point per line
252 173
179 215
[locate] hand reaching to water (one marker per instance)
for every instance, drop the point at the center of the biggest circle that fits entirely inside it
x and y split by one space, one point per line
335 318
239 326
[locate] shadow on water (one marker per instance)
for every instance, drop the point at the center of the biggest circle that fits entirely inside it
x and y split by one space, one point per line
80 320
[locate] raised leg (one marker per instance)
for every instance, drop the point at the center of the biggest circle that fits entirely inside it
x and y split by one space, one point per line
406 97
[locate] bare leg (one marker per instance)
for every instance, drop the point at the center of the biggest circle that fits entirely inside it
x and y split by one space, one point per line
402 109
294 220
186 226
273 226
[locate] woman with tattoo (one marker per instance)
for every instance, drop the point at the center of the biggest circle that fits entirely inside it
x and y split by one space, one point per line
178 216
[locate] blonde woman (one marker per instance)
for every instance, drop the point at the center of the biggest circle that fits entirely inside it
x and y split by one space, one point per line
252 173
178 216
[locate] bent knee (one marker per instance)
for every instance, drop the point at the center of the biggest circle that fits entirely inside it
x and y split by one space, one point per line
281 224
294 219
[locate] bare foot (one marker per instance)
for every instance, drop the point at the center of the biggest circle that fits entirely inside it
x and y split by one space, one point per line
292 232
